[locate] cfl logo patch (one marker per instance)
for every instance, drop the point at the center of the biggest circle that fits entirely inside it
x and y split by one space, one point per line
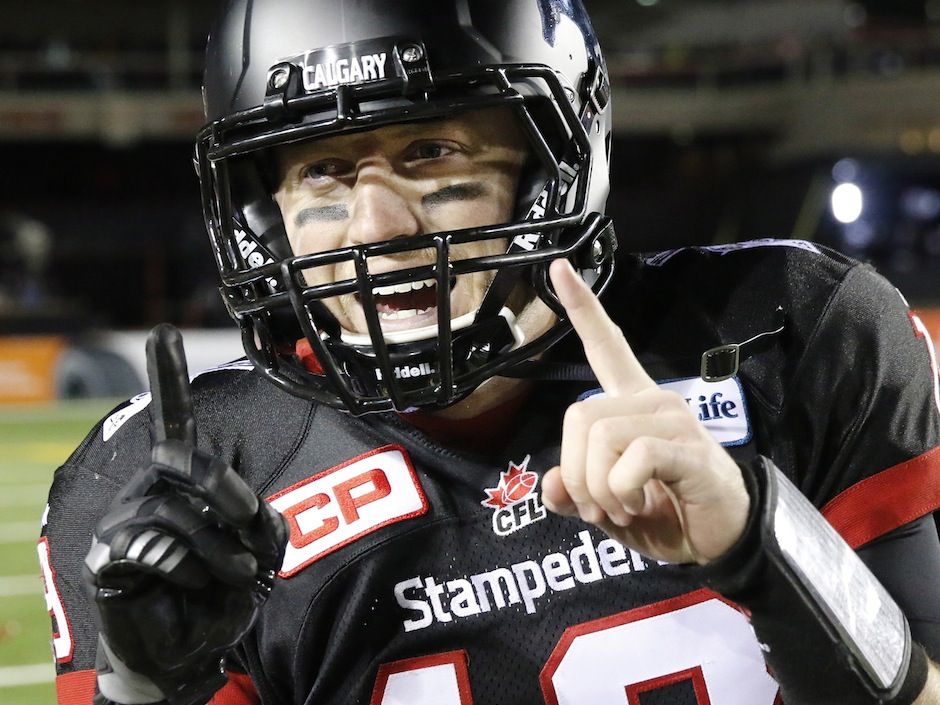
345 503
515 500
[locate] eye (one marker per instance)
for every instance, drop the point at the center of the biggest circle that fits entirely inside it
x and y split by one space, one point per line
326 168
430 150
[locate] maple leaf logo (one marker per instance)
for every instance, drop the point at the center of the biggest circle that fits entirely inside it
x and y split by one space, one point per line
514 485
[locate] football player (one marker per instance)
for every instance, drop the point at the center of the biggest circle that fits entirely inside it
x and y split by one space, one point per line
717 489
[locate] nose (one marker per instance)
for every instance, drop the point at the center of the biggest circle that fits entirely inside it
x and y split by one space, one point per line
380 212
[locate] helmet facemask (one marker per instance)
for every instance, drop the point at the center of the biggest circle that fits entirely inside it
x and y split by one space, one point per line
267 287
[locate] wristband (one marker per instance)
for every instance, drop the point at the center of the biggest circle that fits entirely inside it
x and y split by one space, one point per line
119 685
833 634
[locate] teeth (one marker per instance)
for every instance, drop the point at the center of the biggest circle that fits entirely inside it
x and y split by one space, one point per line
403 288
404 313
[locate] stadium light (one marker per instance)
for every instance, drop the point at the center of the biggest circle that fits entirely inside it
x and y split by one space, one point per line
847 203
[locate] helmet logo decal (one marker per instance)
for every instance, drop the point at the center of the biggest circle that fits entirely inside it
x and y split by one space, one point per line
319 72
369 61
515 499
421 369
551 10
252 254
529 241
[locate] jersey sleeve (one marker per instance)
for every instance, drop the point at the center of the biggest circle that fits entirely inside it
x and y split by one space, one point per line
81 491
66 539
83 488
904 561
864 411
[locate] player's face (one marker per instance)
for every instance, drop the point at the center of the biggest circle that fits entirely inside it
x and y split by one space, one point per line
401 181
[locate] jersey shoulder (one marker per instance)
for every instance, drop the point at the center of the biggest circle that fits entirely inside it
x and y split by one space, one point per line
850 386
239 417
682 302
795 269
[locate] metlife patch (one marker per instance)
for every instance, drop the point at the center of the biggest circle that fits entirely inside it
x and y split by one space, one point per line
720 406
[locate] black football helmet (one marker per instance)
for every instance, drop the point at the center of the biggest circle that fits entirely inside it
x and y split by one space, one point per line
281 71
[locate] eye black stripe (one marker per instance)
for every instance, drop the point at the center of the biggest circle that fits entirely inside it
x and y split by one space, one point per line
321 214
457 192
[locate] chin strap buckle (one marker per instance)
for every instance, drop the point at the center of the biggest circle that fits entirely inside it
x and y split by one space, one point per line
723 362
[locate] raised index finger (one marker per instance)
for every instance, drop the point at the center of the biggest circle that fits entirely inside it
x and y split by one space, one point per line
169 386
607 351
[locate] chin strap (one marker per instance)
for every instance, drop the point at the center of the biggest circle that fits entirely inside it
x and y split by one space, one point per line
714 365
551 371
722 362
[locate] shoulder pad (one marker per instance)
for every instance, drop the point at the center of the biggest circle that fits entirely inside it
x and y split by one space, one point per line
140 402
660 258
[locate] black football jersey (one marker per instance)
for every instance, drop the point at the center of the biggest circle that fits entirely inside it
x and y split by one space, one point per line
419 574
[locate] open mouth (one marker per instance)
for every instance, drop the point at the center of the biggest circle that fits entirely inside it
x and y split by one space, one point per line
408 305
407 300
408 312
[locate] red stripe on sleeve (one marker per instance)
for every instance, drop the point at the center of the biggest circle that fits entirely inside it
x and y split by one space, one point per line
78 688
238 691
888 500
75 688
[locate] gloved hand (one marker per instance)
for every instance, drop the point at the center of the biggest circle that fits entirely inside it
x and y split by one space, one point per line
183 559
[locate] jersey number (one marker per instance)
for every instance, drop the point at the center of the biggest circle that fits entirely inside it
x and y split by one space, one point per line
62 643
698 638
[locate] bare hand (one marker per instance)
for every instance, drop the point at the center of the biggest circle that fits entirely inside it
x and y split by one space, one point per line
637 462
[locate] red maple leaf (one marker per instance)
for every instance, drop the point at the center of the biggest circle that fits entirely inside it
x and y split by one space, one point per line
496 496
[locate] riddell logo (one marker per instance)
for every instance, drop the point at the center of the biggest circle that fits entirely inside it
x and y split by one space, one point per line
515 500
253 257
410 371
529 241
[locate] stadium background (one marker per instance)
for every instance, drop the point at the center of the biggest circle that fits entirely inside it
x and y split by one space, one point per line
734 119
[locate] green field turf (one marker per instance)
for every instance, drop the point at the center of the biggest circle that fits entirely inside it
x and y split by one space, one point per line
34 440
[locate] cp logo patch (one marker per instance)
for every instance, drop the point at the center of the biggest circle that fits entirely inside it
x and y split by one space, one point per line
345 503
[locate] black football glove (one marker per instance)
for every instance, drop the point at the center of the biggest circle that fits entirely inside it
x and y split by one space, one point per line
182 560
